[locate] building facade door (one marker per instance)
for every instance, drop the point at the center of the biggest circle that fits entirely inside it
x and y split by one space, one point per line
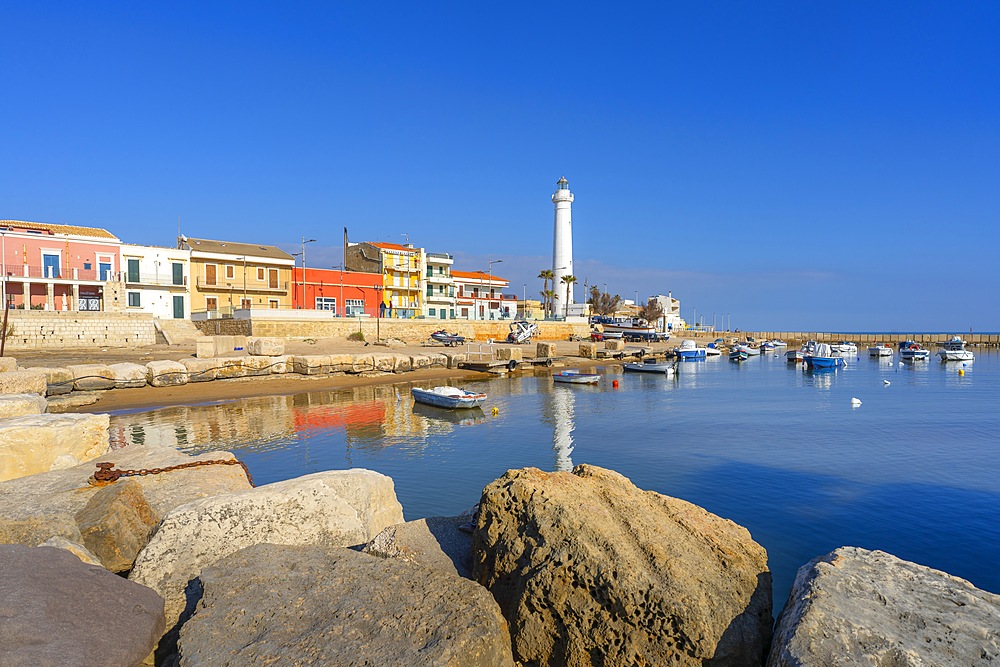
132 270
178 273
210 274
272 278
178 307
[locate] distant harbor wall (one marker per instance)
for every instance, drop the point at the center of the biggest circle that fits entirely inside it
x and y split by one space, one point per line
982 340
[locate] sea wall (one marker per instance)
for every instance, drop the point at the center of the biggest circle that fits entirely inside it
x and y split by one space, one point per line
55 329
888 338
409 330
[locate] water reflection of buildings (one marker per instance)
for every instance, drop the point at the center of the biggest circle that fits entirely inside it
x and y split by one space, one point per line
563 408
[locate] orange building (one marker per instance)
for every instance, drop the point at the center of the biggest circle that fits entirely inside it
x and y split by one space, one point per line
346 293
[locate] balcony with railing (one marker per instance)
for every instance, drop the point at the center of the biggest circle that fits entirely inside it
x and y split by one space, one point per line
17 271
239 286
154 279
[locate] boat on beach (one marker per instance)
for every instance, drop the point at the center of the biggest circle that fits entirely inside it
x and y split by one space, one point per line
449 339
954 350
880 350
448 397
627 328
521 331
911 351
576 377
824 357
651 365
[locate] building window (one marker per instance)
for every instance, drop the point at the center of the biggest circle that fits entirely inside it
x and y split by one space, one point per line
133 300
355 307
465 312
246 303
260 273
132 268
326 303
211 303
272 304
50 265
433 312
444 315
230 272
210 271
452 313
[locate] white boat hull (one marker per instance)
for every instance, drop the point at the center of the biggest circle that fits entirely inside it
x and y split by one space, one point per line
881 351
956 355
662 368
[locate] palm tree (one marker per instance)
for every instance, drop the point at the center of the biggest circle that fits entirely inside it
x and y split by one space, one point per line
547 295
569 280
546 275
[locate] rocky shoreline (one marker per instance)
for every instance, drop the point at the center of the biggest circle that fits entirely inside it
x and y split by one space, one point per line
183 561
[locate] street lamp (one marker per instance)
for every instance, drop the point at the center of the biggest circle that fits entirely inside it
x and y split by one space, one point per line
524 301
341 302
491 263
303 253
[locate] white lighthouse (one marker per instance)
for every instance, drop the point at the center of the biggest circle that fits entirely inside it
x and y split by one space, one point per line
562 241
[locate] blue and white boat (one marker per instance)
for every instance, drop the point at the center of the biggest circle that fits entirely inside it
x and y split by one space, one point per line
910 351
448 397
824 357
688 350
954 350
738 354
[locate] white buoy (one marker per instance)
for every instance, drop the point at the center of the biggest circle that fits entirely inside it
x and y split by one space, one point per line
855 402
886 382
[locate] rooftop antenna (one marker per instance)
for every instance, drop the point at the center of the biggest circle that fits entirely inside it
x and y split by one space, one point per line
406 236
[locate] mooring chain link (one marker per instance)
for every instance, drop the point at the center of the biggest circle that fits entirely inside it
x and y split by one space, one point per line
106 474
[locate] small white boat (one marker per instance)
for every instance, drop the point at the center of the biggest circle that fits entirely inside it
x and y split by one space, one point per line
845 348
448 397
795 356
751 351
712 351
824 357
777 342
651 365
910 351
880 350
689 350
576 377
954 350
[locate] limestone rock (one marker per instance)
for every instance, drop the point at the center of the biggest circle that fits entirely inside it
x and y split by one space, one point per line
35 508
58 380
310 364
8 364
341 363
72 401
584 563
435 543
859 607
419 361
266 347
56 610
92 377
588 350
361 363
199 370
204 348
509 354
280 365
75 548
116 523
229 367
39 443
166 374
545 349
401 363
334 508
18 405
614 344
454 358
127 376
256 366
297 605
383 361
24 382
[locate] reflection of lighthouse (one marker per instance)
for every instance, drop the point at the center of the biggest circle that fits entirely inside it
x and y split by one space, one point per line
563 404
562 238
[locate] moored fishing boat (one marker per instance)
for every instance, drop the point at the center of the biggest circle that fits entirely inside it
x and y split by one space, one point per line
628 328
688 350
845 348
824 357
911 351
448 397
880 350
576 377
651 365
738 354
954 350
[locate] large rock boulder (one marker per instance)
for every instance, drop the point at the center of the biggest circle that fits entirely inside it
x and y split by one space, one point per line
58 381
36 508
116 523
92 377
266 347
271 604
585 564
859 607
310 364
56 610
128 376
436 543
200 370
384 362
166 373
8 364
334 508
18 405
30 381
39 443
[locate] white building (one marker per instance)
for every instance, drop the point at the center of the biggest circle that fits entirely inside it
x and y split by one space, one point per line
671 319
440 302
562 243
156 280
480 296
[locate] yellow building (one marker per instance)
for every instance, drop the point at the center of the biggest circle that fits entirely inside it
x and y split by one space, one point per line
227 275
402 269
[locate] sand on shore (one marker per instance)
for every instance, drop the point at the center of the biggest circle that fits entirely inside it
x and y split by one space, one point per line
286 384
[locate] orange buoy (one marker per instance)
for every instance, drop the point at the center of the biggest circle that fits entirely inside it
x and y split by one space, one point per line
615 384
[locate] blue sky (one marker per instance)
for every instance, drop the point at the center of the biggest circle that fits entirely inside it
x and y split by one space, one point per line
784 165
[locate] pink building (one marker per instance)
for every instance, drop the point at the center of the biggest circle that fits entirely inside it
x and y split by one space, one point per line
56 267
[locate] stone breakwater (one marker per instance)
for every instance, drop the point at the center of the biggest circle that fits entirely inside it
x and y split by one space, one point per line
566 568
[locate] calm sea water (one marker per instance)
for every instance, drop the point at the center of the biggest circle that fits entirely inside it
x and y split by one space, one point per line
914 470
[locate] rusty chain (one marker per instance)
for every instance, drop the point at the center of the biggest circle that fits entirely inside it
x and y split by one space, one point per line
106 474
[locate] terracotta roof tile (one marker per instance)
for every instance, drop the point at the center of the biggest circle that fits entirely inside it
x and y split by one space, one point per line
94 232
